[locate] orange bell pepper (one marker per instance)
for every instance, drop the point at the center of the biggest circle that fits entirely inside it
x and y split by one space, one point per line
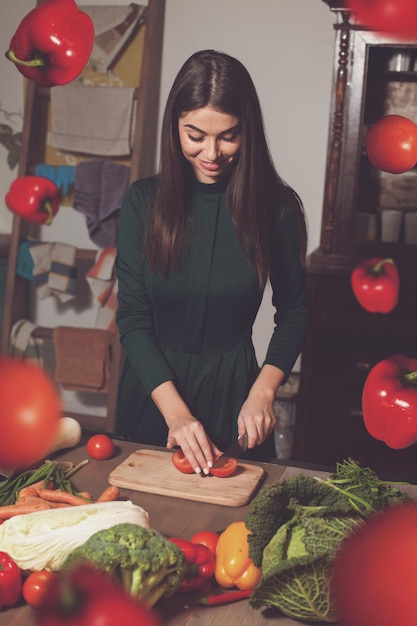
234 567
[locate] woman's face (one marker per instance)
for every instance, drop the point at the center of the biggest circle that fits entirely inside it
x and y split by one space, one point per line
210 141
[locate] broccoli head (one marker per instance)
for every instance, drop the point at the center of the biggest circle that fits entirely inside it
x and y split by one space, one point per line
142 560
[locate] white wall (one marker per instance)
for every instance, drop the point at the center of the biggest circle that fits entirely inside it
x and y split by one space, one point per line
287 46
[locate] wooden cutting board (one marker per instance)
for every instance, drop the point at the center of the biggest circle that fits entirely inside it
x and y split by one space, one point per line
152 471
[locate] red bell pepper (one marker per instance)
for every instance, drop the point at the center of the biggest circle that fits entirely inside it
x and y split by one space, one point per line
375 283
84 596
34 198
201 565
52 43
10 581
389 401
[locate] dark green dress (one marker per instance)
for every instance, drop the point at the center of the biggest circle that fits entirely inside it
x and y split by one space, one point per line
195 326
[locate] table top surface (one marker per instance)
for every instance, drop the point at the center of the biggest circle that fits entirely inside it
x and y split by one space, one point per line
172 517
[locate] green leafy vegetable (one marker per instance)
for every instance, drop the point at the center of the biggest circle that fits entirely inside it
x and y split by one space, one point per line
147 564
297 527
49 470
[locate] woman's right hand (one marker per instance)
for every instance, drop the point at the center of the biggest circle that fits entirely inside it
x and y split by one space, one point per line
189 434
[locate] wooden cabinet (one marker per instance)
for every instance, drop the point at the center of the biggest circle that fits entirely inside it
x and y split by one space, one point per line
371 79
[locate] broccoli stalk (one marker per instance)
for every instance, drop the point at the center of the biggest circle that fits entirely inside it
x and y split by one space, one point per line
141 559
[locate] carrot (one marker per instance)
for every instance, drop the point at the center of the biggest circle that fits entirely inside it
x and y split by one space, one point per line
86 495
109 495
10 510
56 495
33 489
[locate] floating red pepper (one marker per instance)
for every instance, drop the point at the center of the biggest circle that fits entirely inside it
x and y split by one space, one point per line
10 581
389 401
375 283
202 563
34 198
84 596
52 43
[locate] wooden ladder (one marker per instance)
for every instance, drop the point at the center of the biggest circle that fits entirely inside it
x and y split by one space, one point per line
142 164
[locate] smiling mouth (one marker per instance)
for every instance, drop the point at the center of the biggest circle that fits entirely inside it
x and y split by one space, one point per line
212 167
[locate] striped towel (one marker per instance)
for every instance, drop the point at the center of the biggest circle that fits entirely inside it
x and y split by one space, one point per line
55 270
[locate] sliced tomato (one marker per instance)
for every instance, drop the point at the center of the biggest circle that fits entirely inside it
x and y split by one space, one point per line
181 462
226 468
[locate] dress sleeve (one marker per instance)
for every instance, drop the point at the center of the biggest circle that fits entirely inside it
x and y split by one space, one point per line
134 315
288 295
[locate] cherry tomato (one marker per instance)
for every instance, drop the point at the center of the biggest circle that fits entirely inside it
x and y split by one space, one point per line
36 588
30 408
181 462
207 538
392 17
391 144
100 447
227 468
376 569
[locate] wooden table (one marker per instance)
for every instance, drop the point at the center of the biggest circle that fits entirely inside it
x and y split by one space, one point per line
172 517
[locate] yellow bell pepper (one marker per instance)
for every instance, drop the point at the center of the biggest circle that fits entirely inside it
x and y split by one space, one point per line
234 567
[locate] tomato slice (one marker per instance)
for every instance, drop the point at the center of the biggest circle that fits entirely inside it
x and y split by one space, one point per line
181 462
226 468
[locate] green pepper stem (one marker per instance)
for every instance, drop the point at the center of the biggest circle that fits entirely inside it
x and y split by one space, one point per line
377 268
46 206
38 62
410 377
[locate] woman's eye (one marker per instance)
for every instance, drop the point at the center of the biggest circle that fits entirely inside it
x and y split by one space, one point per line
231 138
196 139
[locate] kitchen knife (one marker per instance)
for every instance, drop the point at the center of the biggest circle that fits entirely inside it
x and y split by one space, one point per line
237 448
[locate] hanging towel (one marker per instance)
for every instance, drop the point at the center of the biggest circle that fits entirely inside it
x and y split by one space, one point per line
61 175
103 284
23 346
82 358
92 120
99 188
55 270
25 264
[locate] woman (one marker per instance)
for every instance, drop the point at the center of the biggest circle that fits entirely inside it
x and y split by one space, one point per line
197 244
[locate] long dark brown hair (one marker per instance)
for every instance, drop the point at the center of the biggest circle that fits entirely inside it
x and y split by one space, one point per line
215 79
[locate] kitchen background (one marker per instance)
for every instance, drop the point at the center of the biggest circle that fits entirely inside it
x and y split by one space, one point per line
287 46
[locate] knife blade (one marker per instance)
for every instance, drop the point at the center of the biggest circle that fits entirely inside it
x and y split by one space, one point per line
237 448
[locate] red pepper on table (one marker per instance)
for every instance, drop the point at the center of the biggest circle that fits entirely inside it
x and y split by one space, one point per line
201 561
375 283
34 198
10 581
84 596
389 401
52 43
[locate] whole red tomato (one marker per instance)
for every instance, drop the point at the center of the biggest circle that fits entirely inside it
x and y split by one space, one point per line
392 17
375 572
30 408
100 447
37 586
207 538
391 144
